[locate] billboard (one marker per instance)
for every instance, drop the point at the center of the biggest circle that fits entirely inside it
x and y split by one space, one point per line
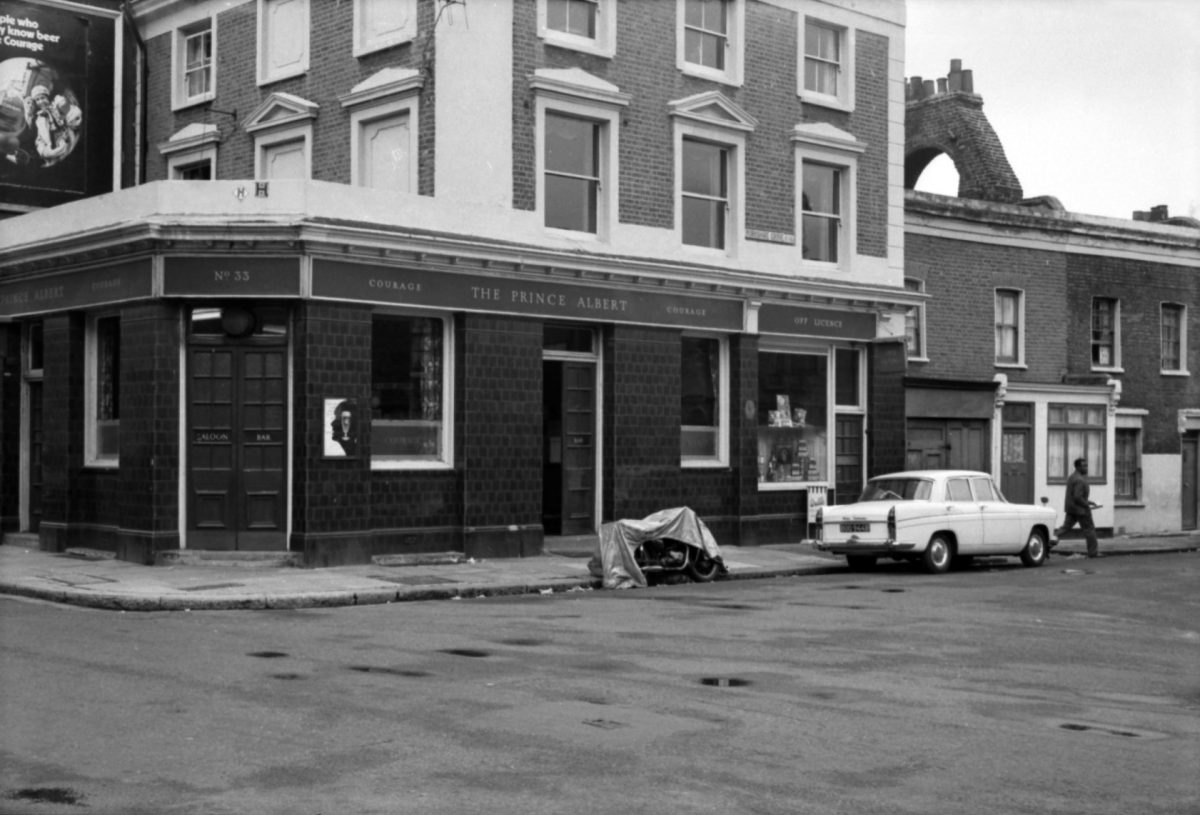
58 80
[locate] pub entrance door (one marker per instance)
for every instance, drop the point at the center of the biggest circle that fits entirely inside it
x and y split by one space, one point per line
569 430
237 435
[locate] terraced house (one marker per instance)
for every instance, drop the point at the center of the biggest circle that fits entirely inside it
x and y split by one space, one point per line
392 276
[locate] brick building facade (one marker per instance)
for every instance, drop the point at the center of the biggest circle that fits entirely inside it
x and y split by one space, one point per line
1048 335
416 275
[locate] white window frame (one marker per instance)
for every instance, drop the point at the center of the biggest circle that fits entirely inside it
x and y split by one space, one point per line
735 27
710 117
722 457
824 144
391 93
920 352
276 138
1020 315
835 19
1182 370
1129 420
578 94
179 95
367 43
770 344
1115 363
91 431
194 144
446 462
266 74
604 44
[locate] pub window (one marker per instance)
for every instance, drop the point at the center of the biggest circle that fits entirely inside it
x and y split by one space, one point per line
36 350
1075 431
102 431
793 417
703 402
410 391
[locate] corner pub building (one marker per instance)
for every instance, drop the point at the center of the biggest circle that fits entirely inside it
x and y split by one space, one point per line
292 360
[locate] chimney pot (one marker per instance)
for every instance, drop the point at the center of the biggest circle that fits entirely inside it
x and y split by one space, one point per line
941 85
1158 213
929 87
968 82
955 66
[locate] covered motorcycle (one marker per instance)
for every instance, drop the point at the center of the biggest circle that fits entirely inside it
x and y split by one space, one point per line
670 540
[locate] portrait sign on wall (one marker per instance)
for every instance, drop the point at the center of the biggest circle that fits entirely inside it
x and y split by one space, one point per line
341 428
58 79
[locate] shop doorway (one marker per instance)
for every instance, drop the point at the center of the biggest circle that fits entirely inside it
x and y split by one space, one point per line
569 430
237 438
1016 480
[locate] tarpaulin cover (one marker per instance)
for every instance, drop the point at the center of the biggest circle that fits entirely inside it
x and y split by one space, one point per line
620 539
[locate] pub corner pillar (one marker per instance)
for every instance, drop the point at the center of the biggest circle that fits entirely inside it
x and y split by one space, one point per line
500 383
147 482
886 420
62 407
10 427
332 500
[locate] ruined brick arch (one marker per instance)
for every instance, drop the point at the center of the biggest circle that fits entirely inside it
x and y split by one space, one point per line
948 118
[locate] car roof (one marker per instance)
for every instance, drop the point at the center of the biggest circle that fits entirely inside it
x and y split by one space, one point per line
930 474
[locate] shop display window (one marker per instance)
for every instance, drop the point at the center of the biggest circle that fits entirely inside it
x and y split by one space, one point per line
793 418
408 389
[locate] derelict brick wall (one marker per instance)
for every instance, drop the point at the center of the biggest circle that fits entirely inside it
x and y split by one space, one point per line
333 71
332 359
641 411
961 277
146 497
886 435
501 406
645 68
1141 287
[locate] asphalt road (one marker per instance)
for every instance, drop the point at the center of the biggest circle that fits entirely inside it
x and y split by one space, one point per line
1073 688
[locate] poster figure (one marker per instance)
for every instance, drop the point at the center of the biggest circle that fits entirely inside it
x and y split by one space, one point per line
40 117
341 416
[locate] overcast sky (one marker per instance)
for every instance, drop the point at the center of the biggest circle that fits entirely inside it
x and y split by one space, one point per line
1097 102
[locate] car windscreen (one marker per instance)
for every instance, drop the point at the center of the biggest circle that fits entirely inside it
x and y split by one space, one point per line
890 489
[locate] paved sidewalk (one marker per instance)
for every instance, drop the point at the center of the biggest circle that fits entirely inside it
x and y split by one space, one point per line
88 578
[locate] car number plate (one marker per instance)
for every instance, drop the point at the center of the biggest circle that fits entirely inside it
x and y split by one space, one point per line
855 527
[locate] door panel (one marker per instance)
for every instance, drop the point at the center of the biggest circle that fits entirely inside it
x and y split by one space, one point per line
579 450
1014 466
237 450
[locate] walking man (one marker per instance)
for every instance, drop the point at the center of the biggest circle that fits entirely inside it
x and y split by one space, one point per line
1078 507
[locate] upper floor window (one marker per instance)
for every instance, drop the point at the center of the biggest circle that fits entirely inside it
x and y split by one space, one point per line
1106 328
582 25
710 39
578 125
283 27
191 153
281 127
705 193
914 321
704 400
821 205
1009 327
195 78
1173 334
383 130
826 169
410 391
380 24
827 76
102 429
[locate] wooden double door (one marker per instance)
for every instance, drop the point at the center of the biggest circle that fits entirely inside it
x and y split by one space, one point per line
237 446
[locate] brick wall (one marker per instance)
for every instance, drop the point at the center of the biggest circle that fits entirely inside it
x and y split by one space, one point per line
961 278
333 71
886 435
1141 287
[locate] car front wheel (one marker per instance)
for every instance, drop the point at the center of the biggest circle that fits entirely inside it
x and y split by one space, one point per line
1034 553
938 554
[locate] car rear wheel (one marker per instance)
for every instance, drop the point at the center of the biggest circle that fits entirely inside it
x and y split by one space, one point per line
860 563
1034 553
938 554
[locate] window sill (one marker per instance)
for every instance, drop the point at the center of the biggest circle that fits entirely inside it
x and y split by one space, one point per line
382 45
724 77
1129 503
580 44
1013 366
919 359
831 102
707 464
110 466
1099 369
1175 373
411 466
193 102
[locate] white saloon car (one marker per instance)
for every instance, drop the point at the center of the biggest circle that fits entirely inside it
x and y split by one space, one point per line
936 517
